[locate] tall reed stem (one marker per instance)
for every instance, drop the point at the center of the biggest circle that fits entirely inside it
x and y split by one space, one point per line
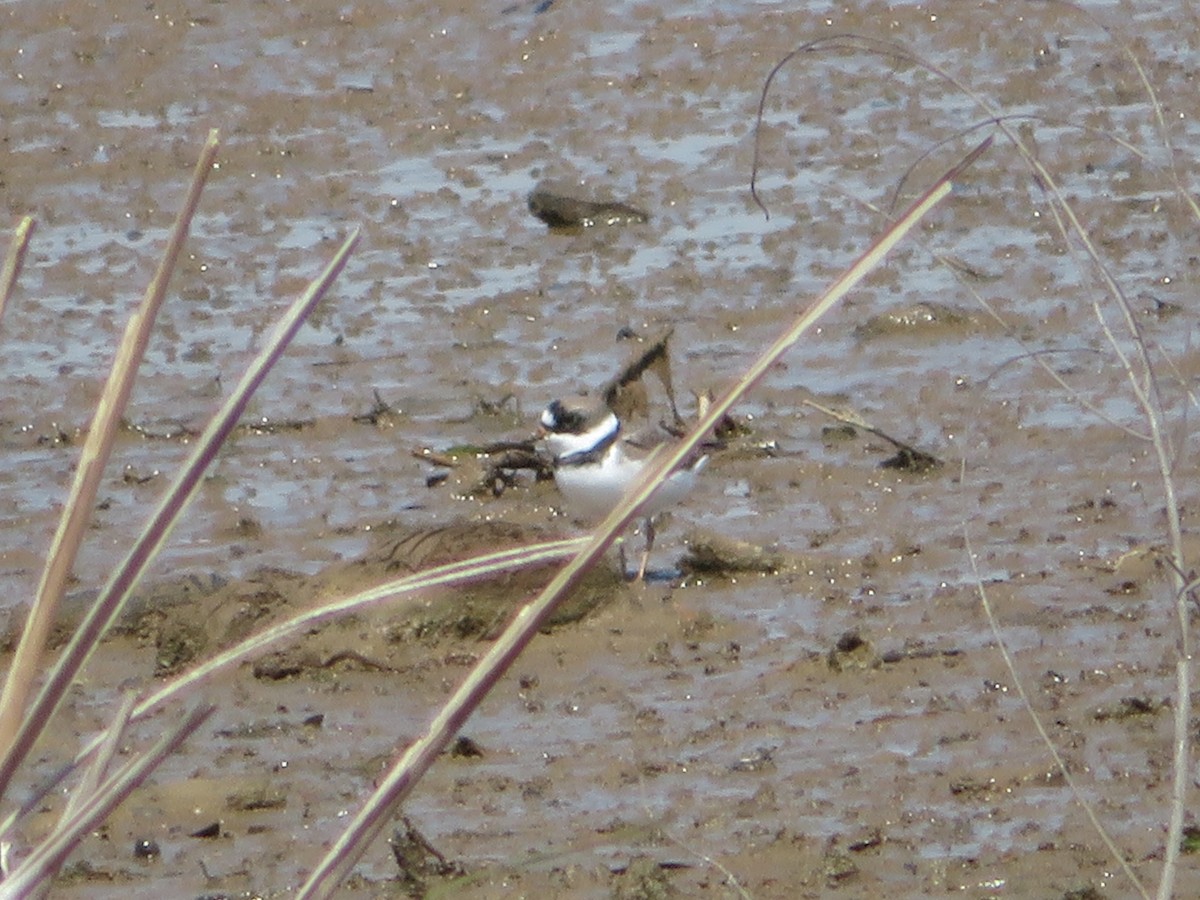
97 448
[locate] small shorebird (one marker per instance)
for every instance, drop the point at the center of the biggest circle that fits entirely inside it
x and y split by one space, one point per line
594 464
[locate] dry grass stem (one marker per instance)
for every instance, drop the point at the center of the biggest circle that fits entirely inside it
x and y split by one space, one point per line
188 682
97 448
1140 375
110 741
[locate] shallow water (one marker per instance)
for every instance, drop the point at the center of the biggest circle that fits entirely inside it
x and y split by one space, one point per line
429 129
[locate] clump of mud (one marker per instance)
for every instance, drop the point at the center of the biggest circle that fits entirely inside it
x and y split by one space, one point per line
189 618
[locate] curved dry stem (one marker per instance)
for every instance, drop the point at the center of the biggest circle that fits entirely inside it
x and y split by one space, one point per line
866 44
1017 117
187 683
1179 182
1036 355
451 573
1148 395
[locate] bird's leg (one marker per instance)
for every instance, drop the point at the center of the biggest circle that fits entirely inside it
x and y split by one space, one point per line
641 574
621 558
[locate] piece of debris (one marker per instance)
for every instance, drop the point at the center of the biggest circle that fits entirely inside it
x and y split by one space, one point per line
923 318
1191 839
558 209
1128 708
266 426
380 414
852 651
869 841
709 553
256 798
838 868
465 748
486 470
918 652
418 860
760 759
642 878
908 458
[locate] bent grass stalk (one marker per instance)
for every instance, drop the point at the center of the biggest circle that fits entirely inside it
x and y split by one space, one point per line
403 776
1009 664
106 748
35 870
185 684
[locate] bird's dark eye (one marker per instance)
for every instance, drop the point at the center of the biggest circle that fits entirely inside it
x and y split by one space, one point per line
563 420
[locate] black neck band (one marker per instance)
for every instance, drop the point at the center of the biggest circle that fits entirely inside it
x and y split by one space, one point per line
591 455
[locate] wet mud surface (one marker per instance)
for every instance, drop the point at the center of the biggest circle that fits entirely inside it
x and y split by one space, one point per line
833 719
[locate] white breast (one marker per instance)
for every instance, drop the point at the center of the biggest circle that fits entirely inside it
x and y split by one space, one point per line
593 491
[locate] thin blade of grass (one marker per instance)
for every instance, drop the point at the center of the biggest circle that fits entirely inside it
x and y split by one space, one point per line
14 259
108 604
97 448
1059 762
188 682
35 871
1160 119
94 774
382 804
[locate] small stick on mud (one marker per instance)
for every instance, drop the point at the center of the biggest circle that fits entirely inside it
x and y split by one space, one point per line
909 458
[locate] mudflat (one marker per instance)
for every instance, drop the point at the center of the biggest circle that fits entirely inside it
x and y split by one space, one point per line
839 722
